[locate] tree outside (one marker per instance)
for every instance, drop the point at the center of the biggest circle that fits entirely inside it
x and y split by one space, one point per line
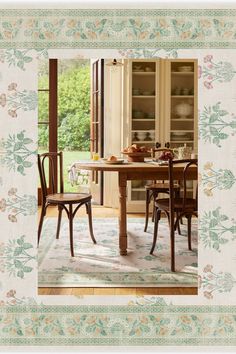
73 112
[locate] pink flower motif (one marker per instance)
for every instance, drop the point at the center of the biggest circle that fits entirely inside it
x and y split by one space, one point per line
12 191
208 295
208 58
12 218
208 85
12 86
3 204
208 268
199 71
210 66
209 77
11 293
12 113
3 100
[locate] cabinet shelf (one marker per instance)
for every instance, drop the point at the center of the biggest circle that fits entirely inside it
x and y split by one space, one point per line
182 131
143 130
143 142
182 119
143 96
182 96
145 73
182 72
182 141
143 119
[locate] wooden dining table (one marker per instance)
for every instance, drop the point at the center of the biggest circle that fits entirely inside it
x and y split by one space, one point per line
132 171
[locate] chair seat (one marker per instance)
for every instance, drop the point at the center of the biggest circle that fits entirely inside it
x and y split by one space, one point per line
161 186
190 204
58 198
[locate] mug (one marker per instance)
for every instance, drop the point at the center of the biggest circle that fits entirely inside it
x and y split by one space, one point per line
182 152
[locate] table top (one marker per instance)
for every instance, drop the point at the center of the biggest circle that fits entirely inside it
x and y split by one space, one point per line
125 167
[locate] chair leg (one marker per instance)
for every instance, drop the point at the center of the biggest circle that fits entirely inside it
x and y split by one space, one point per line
156 221
59 221
71 229
147 210
43 213
189 218
154 196
178 224
89 212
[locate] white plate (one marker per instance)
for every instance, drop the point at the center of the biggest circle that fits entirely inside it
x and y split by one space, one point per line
118 161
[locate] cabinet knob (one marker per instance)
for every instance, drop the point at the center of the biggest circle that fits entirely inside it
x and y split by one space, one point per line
158 145
167 145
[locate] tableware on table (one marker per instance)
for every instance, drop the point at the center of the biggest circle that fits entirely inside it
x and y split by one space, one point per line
182 152
136 156
116 162
95 156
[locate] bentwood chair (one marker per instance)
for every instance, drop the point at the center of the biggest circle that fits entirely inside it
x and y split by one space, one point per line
64 201
156 188
177 207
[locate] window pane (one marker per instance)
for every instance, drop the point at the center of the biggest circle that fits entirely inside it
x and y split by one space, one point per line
43 141
43 74
74 117
43 106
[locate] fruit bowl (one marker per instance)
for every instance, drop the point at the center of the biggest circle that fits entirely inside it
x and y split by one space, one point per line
136 156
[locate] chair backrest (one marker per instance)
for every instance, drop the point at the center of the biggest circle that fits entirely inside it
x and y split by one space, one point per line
186 175
49 185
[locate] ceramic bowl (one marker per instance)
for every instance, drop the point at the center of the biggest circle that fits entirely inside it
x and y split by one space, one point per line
185 68
148 69
137 114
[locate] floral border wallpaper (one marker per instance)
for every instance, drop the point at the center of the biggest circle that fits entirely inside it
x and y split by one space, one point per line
206 319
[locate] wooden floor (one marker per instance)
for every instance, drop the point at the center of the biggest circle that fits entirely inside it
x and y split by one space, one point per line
109 212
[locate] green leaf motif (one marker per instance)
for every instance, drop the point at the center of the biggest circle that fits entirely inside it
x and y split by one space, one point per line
17 256
222 179
216 229
216 124
18 152
18 251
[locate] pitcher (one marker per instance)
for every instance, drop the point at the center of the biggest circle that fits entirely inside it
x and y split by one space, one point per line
182 152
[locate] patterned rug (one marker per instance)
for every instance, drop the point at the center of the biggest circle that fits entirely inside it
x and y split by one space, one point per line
100 265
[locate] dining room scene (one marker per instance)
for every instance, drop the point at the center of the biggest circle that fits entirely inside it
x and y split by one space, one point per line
118 169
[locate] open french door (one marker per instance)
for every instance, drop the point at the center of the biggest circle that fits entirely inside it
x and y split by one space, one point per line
50 121
97 125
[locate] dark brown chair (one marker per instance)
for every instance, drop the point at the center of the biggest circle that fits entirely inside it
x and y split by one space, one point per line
64 201
155 188
181 206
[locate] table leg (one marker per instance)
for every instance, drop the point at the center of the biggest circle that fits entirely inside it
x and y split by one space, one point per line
122 214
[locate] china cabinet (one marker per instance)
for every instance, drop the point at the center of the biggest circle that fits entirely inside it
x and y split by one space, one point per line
160 110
